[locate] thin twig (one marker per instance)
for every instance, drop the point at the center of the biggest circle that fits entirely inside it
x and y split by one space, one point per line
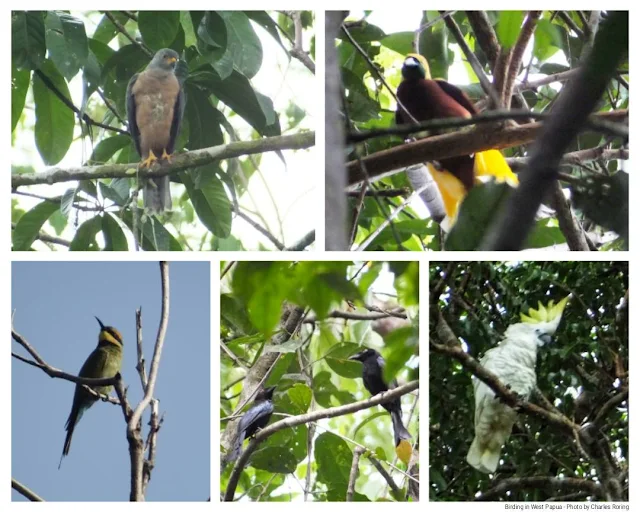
387 221
298 51
126 34
353 474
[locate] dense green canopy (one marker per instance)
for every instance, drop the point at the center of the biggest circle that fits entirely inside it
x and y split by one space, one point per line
584 368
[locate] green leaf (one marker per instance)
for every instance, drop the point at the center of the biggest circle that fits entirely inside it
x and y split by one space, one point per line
85 238
508 28
66 202
479 209
243 45
153 236
106 30
401 344
28 47
364 33
234 313
213 30
108 147
274 459
279 369
265 21
158 28
338 360
58 222
547 40
67 42
117 191
400 42
333 457
28 227
407 281
237 92
211 204
54 119
434 45
119 69
297 399
265 307
203 118
20 80
114 237
288 346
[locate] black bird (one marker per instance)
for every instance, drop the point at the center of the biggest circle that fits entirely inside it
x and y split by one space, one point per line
372 366
255 418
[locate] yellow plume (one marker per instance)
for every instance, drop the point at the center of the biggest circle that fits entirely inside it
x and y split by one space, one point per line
492 163
545 314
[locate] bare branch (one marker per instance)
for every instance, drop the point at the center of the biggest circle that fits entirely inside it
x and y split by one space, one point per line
25 491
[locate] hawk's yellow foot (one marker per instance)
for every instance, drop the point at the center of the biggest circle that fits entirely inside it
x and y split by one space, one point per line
166 156
149 161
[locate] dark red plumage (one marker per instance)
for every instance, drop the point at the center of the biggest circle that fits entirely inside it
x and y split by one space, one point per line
429 99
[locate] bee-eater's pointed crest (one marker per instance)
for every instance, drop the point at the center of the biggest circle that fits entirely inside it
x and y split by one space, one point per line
545 314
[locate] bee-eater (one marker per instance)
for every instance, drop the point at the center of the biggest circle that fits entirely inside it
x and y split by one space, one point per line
105 361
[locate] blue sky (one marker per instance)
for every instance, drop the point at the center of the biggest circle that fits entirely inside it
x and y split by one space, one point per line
55 304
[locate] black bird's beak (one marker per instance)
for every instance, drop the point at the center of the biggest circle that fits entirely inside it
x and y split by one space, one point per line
356 357
101 324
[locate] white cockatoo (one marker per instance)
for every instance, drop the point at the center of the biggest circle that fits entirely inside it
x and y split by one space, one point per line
513 361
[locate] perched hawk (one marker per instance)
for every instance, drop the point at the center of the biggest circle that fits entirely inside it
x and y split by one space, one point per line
155 105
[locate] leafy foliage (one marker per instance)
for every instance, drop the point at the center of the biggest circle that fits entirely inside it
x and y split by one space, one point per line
312 370
220 54
371 105
585 366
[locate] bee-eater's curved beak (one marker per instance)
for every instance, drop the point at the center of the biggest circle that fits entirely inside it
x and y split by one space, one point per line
101 324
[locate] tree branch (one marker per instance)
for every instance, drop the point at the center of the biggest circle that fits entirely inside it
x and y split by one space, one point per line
297 51
304 242
512 399
59 374
133 425
542 482
353 474
487 87
574 105
178 163
25 491
517 54
451 144
294 421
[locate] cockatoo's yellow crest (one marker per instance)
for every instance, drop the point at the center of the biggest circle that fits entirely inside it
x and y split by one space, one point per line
545 314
